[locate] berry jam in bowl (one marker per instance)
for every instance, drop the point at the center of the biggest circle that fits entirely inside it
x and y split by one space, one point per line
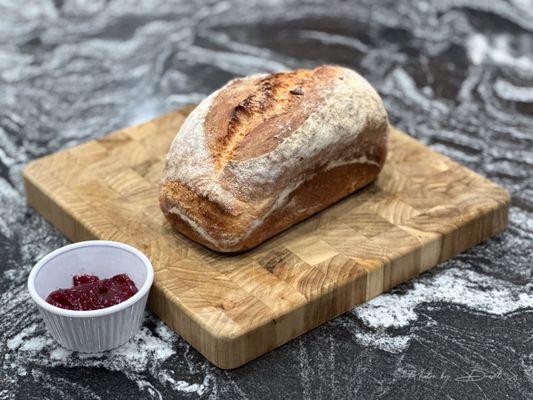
92 295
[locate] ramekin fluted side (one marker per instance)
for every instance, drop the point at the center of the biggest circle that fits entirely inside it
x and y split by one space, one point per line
96 334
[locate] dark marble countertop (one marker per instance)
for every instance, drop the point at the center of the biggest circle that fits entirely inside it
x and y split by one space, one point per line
456 74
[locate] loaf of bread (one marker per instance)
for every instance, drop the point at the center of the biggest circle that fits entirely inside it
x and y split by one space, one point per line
266 151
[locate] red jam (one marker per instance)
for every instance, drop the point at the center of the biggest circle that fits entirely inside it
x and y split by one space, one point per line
92 293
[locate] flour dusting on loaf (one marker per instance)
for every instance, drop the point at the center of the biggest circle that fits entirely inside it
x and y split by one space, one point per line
189 160
266 151
350 105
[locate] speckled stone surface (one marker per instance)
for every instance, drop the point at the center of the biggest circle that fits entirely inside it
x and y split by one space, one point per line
458 75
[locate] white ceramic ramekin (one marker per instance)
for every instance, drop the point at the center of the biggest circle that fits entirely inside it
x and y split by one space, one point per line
98 330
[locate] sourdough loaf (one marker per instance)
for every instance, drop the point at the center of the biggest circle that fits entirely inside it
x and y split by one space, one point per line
266 151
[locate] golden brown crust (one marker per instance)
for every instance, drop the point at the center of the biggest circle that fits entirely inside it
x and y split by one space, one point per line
248 118
266 152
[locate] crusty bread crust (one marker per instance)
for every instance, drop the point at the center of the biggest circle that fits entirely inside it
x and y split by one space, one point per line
266 151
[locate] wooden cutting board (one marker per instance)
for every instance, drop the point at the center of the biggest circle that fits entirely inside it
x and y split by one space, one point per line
423 209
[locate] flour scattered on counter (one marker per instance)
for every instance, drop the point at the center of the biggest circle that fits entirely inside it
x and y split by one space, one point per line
143 348
382 341
59 353
182 386
144 352
460 286
456 286
135 355
36 344
18 339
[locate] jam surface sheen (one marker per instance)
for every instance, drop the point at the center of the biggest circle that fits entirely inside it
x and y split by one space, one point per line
92 293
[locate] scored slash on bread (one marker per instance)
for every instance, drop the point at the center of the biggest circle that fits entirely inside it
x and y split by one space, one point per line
266 151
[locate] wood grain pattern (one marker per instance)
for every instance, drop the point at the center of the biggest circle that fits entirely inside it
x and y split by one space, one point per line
423 209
